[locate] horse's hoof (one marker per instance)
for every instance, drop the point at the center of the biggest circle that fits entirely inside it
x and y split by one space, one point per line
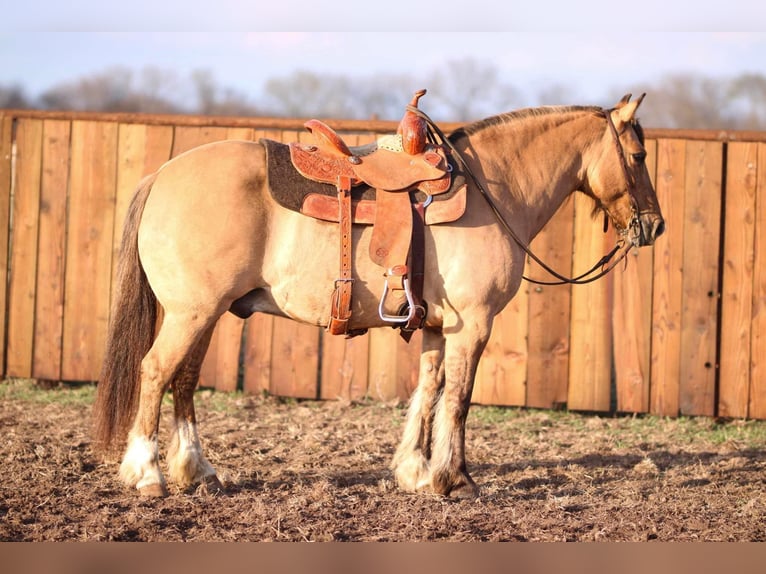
464 492
211 485
155 490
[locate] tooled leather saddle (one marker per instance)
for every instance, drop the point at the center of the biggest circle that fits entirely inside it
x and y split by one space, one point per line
390 184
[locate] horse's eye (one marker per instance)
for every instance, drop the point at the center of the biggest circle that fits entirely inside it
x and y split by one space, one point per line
639 157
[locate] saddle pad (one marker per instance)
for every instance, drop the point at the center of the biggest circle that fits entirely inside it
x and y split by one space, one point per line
293 191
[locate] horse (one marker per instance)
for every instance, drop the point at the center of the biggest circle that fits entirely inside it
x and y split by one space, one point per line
203 236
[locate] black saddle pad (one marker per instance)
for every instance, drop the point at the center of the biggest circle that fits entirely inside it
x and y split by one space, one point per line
288 187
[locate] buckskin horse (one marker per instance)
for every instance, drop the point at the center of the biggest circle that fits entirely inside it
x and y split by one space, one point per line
205 235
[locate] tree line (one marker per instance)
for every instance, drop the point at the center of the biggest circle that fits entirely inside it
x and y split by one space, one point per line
472 90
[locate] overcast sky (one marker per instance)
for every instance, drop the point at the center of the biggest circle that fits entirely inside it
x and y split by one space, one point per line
589 45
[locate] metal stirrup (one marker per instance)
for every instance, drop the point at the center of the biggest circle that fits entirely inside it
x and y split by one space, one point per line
410 303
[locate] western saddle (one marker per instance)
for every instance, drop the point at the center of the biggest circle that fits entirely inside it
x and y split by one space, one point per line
396 166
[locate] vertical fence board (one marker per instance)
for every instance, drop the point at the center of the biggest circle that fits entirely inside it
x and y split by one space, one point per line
590 360
549 313
6 150
758 339
737 292
142 150
22 287
632 332
501 378
666 297
344 367
256 372
632 319
393 365
701 246
294 359
49 308
93 180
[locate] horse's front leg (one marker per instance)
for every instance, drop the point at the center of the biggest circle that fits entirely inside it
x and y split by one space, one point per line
449 474
411 461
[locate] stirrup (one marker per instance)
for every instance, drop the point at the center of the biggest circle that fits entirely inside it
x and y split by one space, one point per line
410 304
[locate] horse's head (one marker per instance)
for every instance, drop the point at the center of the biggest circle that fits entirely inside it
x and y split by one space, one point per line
618 178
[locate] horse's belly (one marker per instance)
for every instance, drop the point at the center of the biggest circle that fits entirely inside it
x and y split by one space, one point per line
303 264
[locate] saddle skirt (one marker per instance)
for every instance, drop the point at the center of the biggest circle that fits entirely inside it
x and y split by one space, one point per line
294 191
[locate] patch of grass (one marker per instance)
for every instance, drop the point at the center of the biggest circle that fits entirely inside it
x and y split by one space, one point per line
47 392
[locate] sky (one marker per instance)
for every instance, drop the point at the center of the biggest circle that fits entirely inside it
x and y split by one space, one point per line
589 45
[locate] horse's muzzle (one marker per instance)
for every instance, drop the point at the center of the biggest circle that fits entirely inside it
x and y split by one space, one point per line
646 228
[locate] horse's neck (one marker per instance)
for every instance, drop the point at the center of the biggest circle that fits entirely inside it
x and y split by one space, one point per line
532 167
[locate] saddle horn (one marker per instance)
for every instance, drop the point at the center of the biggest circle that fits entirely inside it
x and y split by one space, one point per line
413 128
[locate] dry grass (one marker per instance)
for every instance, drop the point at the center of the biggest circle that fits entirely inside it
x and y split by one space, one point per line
319 471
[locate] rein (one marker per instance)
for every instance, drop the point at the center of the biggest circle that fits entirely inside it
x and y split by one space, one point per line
622 246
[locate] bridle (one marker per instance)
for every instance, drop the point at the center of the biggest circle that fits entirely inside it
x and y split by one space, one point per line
622 247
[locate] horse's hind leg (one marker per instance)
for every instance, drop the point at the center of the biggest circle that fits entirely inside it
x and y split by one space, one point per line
177 338
411 461
187 465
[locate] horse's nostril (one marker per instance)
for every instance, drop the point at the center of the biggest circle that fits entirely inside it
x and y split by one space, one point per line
659 228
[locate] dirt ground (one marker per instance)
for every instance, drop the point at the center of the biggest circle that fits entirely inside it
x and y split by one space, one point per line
318 471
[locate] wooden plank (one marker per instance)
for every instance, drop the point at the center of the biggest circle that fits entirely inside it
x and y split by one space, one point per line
701 249
757 407
668 276
49 308
738 273
186 138
590 359
344 367
259 332
294 359
22 285
379 126
230 330
549 313
93 180
501 378
632 319
393 365
142 150
6 148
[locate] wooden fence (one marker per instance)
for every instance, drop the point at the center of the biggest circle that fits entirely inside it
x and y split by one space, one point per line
680 330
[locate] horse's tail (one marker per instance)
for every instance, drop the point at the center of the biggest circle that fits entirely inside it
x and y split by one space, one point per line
131 333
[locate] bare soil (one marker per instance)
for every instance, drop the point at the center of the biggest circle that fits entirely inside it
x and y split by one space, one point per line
318 471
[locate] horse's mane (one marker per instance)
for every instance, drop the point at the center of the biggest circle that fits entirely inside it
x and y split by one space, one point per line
520 115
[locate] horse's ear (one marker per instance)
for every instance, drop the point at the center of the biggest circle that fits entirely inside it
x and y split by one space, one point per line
625 111
625 99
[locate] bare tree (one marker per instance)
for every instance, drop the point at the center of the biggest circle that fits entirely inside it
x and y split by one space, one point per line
469 90
114 90
13 97
214 100
747 101
335 96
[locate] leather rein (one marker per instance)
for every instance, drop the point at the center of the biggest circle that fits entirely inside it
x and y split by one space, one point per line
622 247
